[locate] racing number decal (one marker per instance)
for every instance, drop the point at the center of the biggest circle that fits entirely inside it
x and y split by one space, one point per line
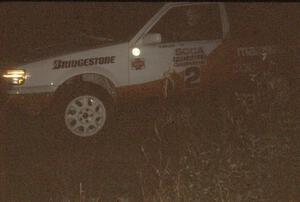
191 58
192 77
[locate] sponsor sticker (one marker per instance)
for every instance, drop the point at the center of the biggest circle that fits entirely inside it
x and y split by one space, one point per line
138 63
62 64
189 57
190 60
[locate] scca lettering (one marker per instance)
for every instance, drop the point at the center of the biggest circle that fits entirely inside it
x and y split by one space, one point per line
61 64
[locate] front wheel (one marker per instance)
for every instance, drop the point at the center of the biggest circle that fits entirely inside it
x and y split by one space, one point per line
85 115
82 111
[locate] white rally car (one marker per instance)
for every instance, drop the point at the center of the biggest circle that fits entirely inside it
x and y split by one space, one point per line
81 87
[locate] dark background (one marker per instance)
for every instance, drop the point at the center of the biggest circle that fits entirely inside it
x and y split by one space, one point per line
30 25
27 26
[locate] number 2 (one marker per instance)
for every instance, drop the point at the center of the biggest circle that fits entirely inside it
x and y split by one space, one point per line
192 77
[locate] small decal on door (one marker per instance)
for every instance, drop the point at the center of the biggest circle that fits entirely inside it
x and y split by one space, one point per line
138 64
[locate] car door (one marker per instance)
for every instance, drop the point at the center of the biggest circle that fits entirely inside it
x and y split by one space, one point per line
189 33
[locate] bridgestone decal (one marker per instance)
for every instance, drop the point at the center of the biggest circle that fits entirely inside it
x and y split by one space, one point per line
61 64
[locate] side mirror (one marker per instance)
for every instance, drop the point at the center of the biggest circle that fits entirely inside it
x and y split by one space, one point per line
151 38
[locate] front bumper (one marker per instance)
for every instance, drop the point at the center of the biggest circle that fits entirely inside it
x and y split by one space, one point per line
33 104
3 93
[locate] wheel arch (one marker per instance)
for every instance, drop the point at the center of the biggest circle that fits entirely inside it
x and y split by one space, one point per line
102 81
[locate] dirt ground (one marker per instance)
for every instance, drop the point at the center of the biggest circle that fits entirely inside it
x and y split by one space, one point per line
153 153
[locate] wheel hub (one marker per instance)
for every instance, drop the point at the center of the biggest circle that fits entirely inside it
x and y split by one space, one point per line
85 116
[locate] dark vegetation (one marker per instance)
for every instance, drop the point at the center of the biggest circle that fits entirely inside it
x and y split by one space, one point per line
183 150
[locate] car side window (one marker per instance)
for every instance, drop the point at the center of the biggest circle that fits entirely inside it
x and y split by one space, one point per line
190 23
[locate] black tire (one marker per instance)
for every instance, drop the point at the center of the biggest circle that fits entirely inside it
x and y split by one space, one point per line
56 117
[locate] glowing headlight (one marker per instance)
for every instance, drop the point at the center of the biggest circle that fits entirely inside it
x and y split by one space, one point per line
16 77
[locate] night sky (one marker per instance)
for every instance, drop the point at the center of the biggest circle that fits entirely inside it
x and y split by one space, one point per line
26 26
29 25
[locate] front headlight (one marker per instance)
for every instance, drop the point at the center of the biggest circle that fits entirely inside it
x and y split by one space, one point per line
16 77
